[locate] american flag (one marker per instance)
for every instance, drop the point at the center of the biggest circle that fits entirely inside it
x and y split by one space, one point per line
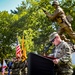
4 67
18 49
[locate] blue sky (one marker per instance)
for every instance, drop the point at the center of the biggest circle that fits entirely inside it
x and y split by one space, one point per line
9 4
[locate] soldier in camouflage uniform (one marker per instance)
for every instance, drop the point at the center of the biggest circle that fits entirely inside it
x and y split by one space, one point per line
16 67
62 20
23 67
62 53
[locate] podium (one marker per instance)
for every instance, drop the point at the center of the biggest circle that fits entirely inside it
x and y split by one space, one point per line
39 65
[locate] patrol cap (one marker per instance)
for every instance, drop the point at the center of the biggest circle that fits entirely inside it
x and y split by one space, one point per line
52 36
55 3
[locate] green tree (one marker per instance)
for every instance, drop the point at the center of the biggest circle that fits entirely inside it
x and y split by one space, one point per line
30 19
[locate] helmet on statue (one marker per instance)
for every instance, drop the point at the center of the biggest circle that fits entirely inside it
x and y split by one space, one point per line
55 3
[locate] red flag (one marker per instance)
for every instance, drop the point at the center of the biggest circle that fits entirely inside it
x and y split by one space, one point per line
18 50
4 67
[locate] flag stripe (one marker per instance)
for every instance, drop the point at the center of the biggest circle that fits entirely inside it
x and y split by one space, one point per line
18 49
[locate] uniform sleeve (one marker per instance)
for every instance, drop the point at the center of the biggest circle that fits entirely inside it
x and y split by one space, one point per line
55 14
67 55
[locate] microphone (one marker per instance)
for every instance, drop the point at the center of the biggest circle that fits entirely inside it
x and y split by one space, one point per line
46 48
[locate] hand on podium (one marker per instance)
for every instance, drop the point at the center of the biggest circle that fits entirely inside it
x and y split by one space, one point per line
56 61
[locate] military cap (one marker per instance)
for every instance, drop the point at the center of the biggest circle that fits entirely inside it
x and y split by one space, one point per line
52 36
55 3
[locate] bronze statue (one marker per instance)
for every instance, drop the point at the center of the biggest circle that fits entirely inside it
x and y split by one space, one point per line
62 20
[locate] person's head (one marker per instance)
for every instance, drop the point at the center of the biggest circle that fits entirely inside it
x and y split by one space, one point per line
14 59
54 38
18 59
55 4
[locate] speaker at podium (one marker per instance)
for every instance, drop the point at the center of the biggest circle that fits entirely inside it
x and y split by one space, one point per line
39 65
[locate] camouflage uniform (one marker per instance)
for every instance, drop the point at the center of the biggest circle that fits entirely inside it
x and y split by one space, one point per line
15 68
62 52
60 17
23 67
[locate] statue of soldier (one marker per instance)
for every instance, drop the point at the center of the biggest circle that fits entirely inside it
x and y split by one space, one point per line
62 20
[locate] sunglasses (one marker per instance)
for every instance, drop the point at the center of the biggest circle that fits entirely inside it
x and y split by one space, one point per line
53 40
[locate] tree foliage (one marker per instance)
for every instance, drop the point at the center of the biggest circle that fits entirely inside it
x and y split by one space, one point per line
30 19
